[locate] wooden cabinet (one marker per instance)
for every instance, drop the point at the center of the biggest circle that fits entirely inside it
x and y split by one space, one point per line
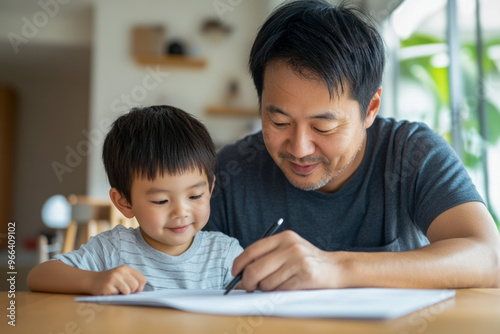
7 146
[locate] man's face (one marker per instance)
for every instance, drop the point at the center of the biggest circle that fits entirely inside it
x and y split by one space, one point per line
317 142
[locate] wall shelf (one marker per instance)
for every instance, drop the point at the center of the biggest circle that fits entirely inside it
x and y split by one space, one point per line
222 110
171 60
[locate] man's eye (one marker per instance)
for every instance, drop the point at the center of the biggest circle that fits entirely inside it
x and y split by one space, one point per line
279 124
323 131
160 202
196 196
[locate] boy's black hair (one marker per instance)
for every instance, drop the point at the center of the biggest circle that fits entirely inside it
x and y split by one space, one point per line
338 44
156 139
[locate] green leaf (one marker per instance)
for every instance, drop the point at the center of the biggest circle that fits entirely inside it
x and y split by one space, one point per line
417 39
493 122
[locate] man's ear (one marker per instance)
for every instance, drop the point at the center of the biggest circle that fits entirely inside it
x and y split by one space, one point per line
373 108
121 203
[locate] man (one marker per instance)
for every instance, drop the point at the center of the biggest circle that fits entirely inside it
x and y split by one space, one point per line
367 201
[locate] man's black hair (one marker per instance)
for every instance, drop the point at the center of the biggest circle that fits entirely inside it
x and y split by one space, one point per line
338 44
151 141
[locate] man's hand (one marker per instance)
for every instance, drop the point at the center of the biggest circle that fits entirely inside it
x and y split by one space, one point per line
122 279
464 251
286 261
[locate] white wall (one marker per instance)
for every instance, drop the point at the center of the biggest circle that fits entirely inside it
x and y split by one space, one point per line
45 22
115 75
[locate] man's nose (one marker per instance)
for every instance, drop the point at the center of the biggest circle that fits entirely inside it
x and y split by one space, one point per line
301 143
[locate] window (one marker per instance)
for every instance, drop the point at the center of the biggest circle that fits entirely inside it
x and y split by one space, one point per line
434 76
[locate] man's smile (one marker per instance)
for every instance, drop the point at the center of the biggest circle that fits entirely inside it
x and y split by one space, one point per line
303 170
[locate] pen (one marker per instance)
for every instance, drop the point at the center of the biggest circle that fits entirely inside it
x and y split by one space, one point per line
270 231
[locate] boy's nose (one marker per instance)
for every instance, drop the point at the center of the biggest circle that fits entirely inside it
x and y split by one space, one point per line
179 211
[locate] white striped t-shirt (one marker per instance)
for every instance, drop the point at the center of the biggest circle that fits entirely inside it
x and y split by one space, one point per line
205 265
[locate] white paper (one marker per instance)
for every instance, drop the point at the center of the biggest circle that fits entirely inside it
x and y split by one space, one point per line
367 303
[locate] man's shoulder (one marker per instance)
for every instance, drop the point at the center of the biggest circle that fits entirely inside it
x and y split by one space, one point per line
391 132
246 150
390 126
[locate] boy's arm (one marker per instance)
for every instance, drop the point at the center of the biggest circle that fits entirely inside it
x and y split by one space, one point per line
56 276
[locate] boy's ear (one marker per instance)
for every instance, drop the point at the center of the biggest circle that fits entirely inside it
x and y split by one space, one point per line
121 203
213 185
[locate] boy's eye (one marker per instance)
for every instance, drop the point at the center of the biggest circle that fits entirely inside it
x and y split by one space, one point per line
160 202
196 196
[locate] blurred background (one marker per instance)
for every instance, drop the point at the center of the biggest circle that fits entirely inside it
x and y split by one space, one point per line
70 68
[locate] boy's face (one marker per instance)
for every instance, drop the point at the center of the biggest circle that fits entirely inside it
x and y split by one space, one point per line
171 209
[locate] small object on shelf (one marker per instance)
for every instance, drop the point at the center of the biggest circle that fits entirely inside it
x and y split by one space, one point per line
215 30
211 25
175 48
148 40
233 92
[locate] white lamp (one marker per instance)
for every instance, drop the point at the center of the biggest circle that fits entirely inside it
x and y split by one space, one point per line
56 214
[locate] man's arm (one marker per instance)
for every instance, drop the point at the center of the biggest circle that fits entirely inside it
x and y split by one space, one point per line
464 251
56 276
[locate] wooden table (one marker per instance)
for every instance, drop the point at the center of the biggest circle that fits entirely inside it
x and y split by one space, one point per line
471 311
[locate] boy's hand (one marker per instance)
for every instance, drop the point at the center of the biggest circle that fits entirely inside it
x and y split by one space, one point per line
122 279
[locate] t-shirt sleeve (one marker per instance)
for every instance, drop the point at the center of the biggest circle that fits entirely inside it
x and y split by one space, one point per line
234 250
439 180
100 253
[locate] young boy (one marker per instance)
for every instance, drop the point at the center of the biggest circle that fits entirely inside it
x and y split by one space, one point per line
160 164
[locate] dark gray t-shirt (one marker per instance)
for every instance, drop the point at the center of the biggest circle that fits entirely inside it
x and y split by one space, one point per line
409 175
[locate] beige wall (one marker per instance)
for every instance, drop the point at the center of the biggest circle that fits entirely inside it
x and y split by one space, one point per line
52 84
